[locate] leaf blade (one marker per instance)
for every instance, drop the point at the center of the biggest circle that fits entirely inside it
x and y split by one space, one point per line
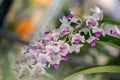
113 41
97 69
109 22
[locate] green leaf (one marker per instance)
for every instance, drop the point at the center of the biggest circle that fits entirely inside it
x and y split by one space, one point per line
113 41
22 76
97 69
109 22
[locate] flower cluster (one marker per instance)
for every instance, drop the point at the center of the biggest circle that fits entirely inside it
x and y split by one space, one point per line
55 45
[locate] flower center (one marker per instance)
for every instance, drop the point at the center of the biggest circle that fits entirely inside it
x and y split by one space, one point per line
70 16
93 43
52 53
46 32
62 48
91 23
33 58
51 39
56 66
112 32
76 41
98 34
66 31
39 48
65 58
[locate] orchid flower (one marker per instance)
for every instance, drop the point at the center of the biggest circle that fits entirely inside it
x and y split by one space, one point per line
77 38
98 32
91 21
75 48
92 40
97 13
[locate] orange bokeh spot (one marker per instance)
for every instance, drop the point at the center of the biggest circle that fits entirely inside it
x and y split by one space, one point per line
24 29
42 2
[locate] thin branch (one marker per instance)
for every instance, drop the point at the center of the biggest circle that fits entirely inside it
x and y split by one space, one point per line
4 9
12 37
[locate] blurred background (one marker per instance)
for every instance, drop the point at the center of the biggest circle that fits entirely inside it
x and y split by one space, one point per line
22 20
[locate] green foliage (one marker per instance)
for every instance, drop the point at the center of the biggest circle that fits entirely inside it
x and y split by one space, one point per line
110 22
110 40
90 70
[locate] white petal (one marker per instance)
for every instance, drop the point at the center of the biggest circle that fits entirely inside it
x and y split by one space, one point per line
74 19
117 30
90 39
96 16
82 39
79 25
64 20
71 12
85 30
75 47
96 9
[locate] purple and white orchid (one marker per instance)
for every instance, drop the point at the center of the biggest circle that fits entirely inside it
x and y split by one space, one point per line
53 45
